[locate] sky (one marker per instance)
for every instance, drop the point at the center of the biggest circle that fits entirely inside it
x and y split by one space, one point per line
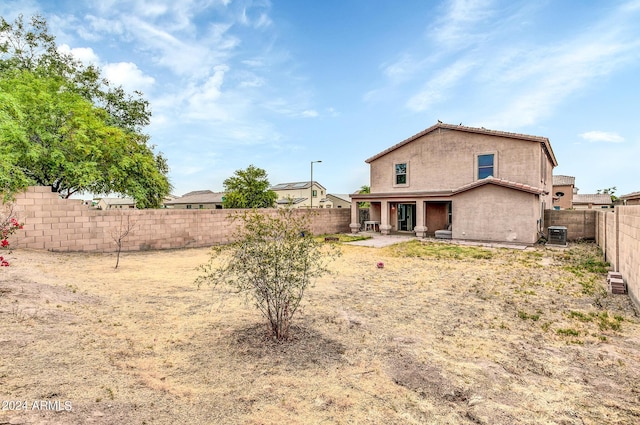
279 84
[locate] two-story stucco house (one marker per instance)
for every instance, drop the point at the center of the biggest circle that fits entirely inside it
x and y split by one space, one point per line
564 187
301 195
481 184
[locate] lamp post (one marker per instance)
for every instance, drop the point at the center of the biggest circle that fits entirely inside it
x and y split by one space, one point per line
311 207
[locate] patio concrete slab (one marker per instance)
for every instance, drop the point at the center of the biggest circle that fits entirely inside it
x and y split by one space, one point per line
378 240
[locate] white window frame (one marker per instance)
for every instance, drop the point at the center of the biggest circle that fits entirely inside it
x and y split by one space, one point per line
406 174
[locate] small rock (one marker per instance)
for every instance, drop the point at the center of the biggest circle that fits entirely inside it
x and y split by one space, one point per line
475 399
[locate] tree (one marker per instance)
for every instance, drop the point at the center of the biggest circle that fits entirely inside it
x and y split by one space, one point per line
364 189
62 125
12 179
272 263
248 189
120 232
609 191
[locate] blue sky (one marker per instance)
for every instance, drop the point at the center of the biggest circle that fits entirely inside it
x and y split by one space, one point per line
279 84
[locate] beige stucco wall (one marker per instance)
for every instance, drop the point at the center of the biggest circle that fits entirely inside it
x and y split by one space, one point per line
58 224
494 213
338 202
446 159
205 206
566 201
592 207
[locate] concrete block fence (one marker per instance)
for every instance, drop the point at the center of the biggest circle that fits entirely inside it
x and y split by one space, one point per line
618 235
55 224
580 224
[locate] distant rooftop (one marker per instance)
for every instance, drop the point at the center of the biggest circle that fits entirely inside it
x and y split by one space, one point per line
289 201
564 181
198 197
594 198
295 185
632 195
344 196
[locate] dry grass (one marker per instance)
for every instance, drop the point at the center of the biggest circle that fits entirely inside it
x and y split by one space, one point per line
442 334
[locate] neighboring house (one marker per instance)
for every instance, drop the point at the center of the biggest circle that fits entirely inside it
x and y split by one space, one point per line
115 203
481 184
563 190
591 201
339 200
301 195
630 199
197 200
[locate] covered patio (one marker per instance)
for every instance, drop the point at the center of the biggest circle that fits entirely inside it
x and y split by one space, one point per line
419 213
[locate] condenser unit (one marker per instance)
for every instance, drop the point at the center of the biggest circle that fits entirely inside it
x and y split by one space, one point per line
557 235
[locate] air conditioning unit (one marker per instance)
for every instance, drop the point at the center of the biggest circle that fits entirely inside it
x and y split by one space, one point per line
557 235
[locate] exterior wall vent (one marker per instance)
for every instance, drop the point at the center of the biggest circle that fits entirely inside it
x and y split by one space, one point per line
557 235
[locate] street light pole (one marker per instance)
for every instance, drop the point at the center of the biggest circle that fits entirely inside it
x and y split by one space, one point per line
311 207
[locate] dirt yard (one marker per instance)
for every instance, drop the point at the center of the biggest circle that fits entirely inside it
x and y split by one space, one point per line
442 334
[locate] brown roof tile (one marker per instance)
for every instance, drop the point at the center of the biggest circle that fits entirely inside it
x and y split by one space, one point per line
632 195
592 198
564 181
198 197
500 182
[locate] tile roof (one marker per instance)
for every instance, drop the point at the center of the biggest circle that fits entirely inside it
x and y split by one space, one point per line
198 197
476 130
287 201
564 180
500 182
632 195
450 192
592 198
343 196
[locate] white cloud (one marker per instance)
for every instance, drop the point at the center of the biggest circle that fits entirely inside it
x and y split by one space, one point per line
204 101
129 76
602 136
310 113
456 27
436 89
86 55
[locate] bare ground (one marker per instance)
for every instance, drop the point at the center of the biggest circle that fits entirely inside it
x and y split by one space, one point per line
436 337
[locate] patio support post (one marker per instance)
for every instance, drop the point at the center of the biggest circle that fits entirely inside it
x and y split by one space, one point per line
355 223
421 228
385 227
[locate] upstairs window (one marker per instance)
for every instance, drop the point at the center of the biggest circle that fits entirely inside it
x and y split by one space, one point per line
485 166
314 193
401 174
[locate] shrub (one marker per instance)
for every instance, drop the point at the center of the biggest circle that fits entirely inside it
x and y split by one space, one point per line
272 263
8 226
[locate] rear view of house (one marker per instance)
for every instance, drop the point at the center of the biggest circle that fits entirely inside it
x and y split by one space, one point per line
480 184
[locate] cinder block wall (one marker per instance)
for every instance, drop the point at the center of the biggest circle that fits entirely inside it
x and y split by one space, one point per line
629 249
58 224
619 239
610 246
579 224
